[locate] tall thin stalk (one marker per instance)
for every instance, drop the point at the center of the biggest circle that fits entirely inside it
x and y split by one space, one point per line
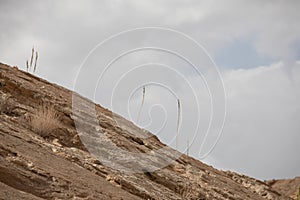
31 59
178 121
36 57
27 66
187 147
141 106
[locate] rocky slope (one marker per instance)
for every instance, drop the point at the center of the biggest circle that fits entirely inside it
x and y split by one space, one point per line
58 166
289 187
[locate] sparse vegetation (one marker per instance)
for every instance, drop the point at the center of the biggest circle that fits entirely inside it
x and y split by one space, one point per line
28 67
36 57
140 109
45 120
298 194
187 147
178 114
31 59
178 121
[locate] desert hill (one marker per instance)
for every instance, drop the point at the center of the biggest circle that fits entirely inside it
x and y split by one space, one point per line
289 187
54 164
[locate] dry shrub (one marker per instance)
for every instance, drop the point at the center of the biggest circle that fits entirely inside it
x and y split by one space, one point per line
45 120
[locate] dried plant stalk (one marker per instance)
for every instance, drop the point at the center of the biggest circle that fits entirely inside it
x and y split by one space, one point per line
27 66
36 58
141 106
187 148
178 121
31 59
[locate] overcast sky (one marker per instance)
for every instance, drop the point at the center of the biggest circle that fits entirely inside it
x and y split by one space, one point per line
255 45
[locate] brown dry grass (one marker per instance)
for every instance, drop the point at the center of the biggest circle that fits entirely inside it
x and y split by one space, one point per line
45 120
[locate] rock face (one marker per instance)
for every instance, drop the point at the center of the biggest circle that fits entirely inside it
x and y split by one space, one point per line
58 166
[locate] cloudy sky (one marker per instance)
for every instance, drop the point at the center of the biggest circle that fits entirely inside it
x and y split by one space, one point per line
252 47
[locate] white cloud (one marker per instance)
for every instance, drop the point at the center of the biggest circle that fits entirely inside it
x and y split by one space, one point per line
262 130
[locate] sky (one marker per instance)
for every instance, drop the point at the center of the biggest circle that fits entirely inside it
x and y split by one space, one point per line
248 64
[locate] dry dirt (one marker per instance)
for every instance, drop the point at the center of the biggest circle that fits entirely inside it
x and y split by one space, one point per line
58 166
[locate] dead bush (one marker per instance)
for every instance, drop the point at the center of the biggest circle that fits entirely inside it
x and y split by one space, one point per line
45 120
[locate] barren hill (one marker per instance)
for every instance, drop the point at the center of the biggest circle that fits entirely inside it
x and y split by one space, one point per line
56 165
289 187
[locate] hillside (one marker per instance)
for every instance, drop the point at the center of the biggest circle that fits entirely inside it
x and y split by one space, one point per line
289 187
57 165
